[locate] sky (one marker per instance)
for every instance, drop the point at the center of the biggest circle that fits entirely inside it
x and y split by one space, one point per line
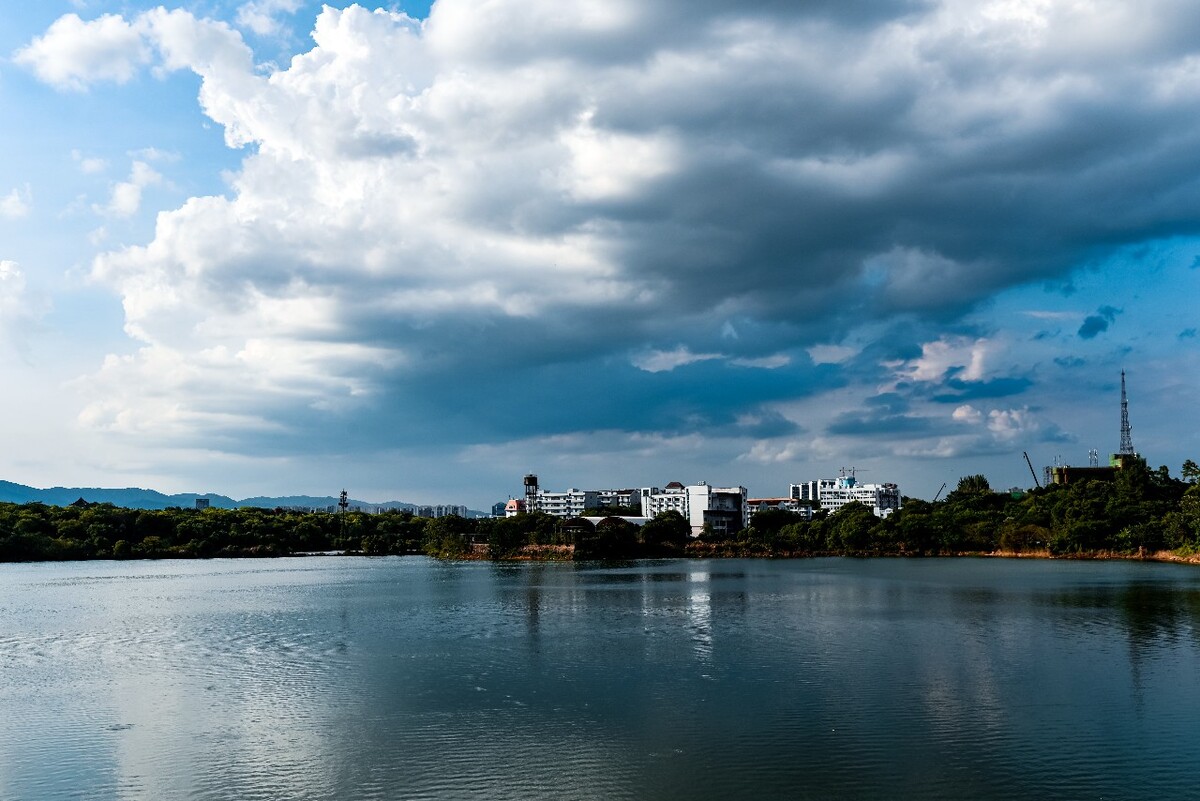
278 247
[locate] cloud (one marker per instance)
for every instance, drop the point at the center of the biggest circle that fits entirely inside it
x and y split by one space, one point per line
87 164
968 414
959 357
1098 323
773 453
994 388
261 16
525 192
126 196
658 361
73 54
20 311
1187 333
831 354
772 362
15 204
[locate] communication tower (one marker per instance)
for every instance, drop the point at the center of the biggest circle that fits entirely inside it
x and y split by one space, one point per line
1093 458
1126 432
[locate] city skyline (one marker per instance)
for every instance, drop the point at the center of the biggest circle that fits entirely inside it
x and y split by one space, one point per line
266 248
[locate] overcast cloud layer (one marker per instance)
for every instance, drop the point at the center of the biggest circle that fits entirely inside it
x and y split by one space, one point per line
687 233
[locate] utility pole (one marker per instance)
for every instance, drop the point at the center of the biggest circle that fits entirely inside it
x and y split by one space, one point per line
343 504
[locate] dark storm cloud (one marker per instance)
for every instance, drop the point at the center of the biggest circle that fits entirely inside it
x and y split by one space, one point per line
1098 323
869 424
974 390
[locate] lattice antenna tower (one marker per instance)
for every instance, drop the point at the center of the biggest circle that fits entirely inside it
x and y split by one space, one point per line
1126 432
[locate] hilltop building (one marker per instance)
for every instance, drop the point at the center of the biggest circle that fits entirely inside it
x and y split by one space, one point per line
1069 474
834 493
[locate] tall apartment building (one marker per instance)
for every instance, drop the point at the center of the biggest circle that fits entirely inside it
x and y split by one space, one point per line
722 509
440 510
834 493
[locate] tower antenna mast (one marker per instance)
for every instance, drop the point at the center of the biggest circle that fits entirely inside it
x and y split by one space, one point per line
1126 433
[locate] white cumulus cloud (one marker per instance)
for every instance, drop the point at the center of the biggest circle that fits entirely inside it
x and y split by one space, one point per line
15 204
963 357
262 16
73 54
126 197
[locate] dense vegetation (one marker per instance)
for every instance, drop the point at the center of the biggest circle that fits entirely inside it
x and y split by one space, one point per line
1142 511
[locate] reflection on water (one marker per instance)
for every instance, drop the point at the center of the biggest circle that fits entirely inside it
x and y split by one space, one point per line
406 678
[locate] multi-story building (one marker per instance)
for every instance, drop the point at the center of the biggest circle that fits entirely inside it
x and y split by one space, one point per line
834 493
618 497
722 509
573 502
671 498
441 510
793 505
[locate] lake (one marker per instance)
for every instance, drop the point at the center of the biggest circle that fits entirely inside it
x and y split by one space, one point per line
407 678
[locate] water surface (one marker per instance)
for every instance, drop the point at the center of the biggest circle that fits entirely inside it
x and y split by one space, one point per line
405 678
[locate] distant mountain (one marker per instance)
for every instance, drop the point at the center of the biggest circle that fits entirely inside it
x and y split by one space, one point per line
137 498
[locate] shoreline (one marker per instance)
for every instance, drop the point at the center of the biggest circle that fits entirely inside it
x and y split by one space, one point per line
566 553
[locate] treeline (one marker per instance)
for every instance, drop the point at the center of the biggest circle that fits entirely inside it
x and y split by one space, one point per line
1142 510
37 532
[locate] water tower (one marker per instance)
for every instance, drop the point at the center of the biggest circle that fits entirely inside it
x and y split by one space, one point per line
531 492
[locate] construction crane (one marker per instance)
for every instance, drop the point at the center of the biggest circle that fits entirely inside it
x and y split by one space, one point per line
939 492
1032 472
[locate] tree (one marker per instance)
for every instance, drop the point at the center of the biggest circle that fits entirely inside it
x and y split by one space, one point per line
506 536
973 485
613 538
1190 472
849 529
666 533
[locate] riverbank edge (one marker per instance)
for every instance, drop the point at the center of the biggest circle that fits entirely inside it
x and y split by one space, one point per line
565 553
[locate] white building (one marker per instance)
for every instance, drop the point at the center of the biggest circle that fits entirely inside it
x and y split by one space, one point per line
834 493
618 497
722 509
793 505
571 503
